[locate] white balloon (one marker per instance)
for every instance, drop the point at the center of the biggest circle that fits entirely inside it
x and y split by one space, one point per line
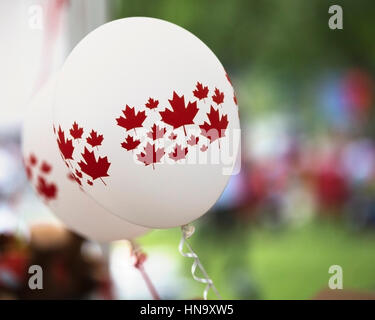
53 182
105 85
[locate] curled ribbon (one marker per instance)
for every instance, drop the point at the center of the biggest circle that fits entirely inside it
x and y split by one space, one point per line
187 232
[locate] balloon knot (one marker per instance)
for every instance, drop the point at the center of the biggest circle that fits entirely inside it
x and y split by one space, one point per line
187 230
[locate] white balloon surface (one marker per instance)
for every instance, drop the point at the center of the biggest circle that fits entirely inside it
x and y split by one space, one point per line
147 120
56 185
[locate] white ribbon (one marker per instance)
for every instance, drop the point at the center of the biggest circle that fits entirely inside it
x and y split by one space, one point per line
187 232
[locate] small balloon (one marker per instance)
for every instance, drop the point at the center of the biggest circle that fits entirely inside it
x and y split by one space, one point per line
56 185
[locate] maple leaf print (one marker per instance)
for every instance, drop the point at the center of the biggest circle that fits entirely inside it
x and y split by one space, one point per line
178 153
45 167
46 190
193 140
90 182
200 92
92 167
218 97
130 143
65 146
29 172
94 139
150 155
217 126
172 136
78 174
229 80
131 120
75 131
152 104
33 160
203 148
156 132
179 115
77 179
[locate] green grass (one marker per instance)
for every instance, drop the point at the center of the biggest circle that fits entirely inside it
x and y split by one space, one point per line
292 263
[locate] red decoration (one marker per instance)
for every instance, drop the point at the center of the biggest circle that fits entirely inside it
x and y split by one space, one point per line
130 143
76 132
152 104
94 139
33 159
131 120
180 115
200 92
65 146
217 126
218 97
45 168
156 132
193 140
78 174
204 148
172 136
178 153
150 155
94 168
46 190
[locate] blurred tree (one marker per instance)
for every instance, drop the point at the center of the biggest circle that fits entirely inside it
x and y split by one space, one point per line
288 36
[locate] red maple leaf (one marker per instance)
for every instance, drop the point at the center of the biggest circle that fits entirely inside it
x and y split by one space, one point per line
46 190
178 153
94 139
172 136
77 179
200 92
94 168
204 148
65 146
131 120
33 160
193 140
78 174
156 132
150 155
228 78
217 126
45 167
179 115
29 172
75 131
218 97
130 143
152 104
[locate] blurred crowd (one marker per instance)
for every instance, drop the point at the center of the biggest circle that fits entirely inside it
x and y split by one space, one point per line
290 173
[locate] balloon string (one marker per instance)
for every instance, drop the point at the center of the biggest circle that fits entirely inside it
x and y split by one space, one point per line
140 258
148 282
187 231
53 23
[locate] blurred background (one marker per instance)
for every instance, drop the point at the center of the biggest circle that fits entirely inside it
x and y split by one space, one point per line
304 199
